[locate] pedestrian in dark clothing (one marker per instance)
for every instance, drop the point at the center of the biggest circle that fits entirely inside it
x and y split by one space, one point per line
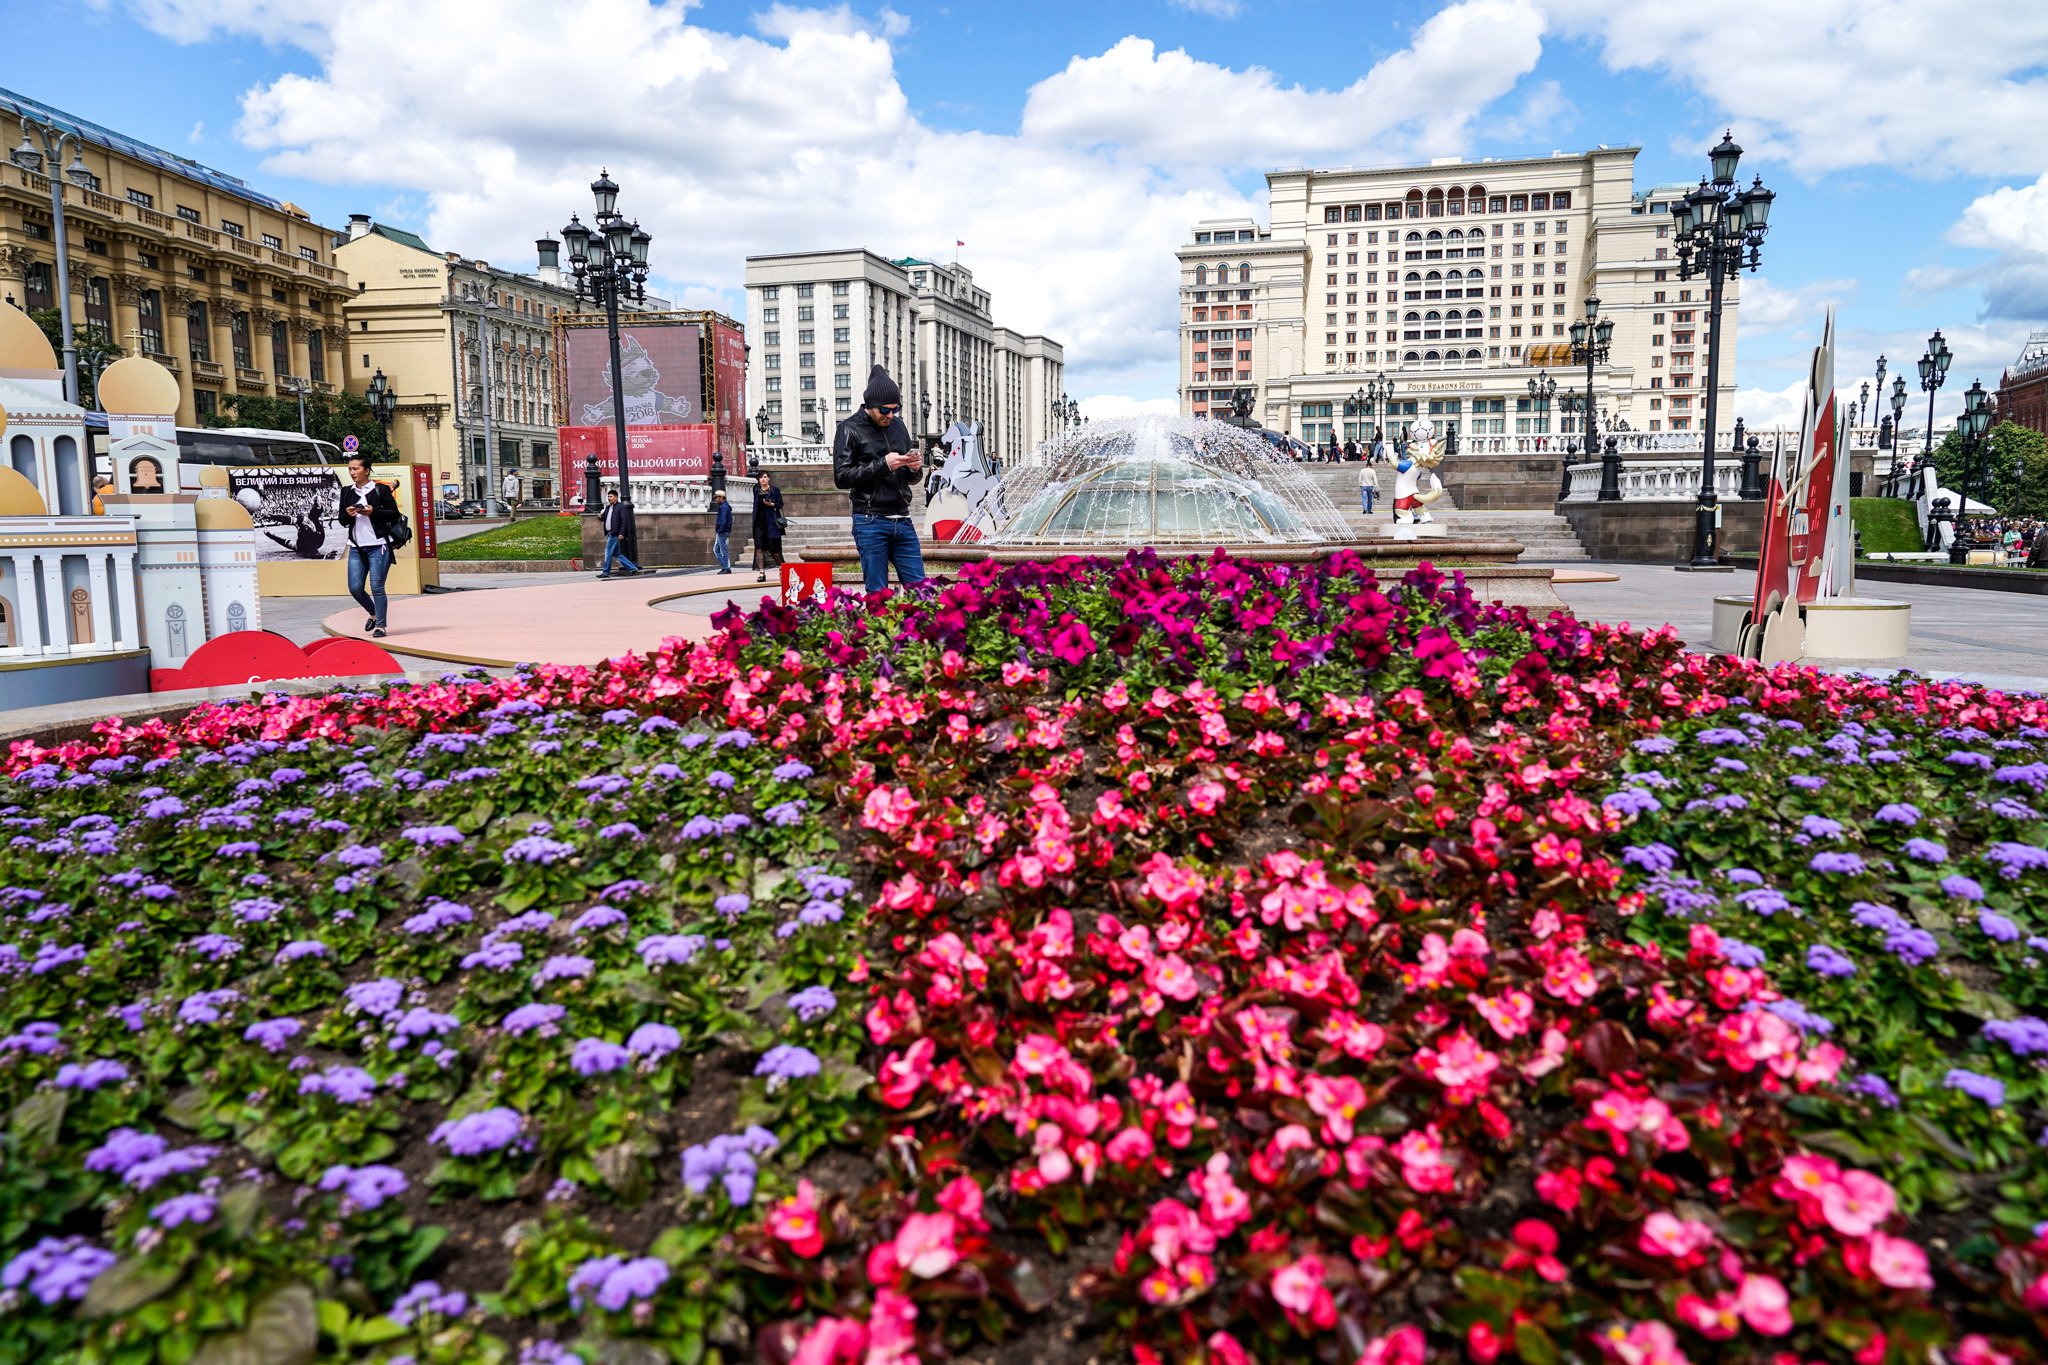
618 530
767 526
721 539
371 515
873 460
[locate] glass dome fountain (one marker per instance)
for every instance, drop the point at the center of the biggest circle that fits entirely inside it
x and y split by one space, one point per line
1168 482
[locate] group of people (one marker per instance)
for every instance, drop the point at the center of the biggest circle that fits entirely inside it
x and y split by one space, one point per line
2021 540
1372 452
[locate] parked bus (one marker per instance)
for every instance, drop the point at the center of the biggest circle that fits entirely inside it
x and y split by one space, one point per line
232 447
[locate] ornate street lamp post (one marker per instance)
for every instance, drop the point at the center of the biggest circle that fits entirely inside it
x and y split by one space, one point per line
1541 389
55 140
1719 230
1976 420
1933 374
1878 389
383 406
610 267
1592 338
1898 416
1379 393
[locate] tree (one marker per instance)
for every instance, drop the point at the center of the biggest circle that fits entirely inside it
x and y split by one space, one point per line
2011 470
329 417
96 350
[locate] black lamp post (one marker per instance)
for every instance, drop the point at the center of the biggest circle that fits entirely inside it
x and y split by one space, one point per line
1379 393
1541 389
1719 229
1933 374
1898 416
1976 420
1592 338
1878 389
610 267
383 406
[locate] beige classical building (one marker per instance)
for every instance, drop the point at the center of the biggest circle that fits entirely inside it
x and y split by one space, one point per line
427 319
229 289
1459 281
821 320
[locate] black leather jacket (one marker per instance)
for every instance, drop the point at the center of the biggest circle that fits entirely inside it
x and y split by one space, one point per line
859 465
384 513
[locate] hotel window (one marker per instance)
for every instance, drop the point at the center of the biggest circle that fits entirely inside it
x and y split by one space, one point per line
808 383
839 311
839 289
771 338
230 228
772 362
842 381
805 336
316 358
775 383
842 335
1561 200
149 309
141 200
803 291
273 242
36 288
804 312
772 291
280 349
307 253
201 334
842 357
771 315
238 332
1518 203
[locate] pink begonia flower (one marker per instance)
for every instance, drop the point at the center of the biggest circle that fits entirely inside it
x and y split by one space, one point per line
892 1328
1299 1289
1898 1263
1804 1177
904 1074
1206 796
1764 1305
1647 1343
962 1197
1173 978
924 1245
832 1341
1857 1204
1716 1319
795 1221
1131 1145
1976 1349
1556 1048
1224 1348
1402 1346
1665 1234
1337 1100
1423 1164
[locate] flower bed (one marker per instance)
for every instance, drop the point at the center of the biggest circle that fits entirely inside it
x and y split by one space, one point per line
1196 961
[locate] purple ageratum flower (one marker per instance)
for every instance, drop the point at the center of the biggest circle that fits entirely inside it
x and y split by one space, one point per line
151 1171
1764 901
783 814
2025 1036
124 1148
1967 758
1962 888
2011 808
240 848
359 855
1898 813
2015 860
420 1022
597 1057
532 922
1997 927
1828 962
615 1284
255 909
1807 782
1912 946
38 1039
1820 827
1871 1084
1839 864
720 780
541 748
1721 736
654 724
732 905
56 1270
342 1084
1656 744
2034 775
180 1209
787 1063
665 950
273 1035
1631 801
652 1042
1989 1089
547 1351
733 739
598 917
619 716
428 1297
665 772
623 829
733 823
206 1007
537 1019
623 890
535 848
163 808
379 996
1792 1012
791 771
433 836
1926 851
298 950
499 956
700 827
91 1076
563 967
813 1003
488 1130
438 916
818 912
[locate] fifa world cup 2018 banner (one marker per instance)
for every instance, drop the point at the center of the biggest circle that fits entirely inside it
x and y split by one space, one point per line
660 368
666 452
729 372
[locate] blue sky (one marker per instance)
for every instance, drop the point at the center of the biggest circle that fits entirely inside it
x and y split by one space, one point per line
1070 145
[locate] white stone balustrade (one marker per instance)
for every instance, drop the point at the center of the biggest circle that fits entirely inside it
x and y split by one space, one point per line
1658 480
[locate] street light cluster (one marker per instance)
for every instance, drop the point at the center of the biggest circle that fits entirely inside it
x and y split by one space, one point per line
54 140
1371 398
1068 412
383 401
1719 230
610 267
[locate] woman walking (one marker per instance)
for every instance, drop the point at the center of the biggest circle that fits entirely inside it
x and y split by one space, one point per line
768 526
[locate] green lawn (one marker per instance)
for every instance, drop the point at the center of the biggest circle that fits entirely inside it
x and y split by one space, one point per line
534 538
1888 525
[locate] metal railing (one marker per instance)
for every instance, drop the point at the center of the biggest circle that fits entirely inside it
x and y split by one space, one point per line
1658 480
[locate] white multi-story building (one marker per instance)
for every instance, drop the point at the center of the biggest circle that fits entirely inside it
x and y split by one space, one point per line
821 320
1459 281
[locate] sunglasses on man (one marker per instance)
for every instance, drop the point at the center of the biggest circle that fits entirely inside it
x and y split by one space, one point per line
890 408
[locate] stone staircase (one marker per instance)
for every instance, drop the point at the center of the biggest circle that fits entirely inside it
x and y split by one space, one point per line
1546 537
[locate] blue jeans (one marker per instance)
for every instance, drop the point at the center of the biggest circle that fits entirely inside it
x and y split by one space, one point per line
1365 497
721 550
615 548
883 541
372 563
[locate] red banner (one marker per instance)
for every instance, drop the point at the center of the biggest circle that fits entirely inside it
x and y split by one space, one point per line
654 452
729 378
425 537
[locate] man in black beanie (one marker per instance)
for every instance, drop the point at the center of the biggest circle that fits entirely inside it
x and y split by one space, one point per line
873 459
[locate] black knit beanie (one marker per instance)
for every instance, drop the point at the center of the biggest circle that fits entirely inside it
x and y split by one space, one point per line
881 390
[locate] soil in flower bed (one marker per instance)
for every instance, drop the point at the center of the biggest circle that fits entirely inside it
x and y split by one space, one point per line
1180 961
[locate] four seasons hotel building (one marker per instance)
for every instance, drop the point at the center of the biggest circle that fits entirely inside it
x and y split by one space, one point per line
1459 281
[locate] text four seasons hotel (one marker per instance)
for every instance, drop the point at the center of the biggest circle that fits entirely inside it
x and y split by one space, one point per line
1459 281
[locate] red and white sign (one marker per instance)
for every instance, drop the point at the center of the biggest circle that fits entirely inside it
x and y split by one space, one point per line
1802 531
426 536
654 452
729 382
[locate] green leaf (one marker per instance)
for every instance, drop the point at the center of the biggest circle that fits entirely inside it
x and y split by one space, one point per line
126 1286
283 1330
239 1207
1949 1147
1983 1004
191 1109
334 1317
1534 1345
1840 1144
37 1119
